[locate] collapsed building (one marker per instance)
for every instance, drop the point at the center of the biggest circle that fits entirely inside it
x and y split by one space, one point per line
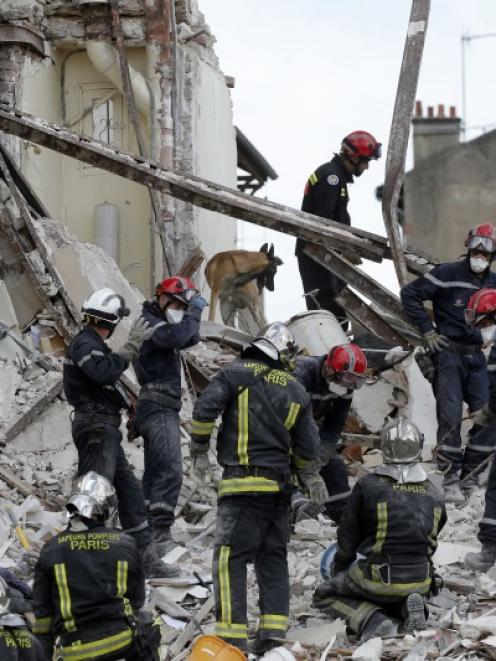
107 179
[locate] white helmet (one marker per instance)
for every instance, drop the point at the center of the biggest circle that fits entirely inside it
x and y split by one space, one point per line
106 307
277 342
94 498
401 442
4 597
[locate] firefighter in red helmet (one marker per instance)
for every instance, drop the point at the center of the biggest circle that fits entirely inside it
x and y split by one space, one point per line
326 195
175 314
330 380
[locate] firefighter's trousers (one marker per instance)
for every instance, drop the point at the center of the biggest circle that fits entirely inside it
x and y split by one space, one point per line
251 529
461 378
342 597
98 443
315 276
487 526
335 477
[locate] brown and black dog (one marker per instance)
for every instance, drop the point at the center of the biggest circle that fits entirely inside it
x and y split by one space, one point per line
231 276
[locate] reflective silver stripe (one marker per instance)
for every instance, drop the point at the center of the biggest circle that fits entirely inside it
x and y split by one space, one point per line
446 285
480 448
88 356
160 323
68 361
142 526
450 448
339 496
490 522
161 506
491 368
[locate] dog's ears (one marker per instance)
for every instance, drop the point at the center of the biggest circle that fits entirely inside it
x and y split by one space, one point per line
271 251
265 248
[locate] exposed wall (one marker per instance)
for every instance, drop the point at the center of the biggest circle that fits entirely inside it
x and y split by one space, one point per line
449 193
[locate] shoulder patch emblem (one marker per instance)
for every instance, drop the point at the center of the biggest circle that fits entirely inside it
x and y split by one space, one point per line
333 180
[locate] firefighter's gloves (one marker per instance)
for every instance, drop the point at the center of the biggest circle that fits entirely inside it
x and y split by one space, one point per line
200 462
314 485
435 342
426 366
139 332
198 302
484 417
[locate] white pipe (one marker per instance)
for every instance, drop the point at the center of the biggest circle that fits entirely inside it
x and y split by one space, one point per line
105 59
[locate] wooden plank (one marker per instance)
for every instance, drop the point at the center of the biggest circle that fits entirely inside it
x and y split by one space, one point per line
205 194
400 130
191 629
37 409
363 313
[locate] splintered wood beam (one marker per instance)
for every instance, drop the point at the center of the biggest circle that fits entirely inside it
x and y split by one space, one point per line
360 281
363 313
205 194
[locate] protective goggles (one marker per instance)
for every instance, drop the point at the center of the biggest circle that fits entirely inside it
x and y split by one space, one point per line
350 380
472 319
484 243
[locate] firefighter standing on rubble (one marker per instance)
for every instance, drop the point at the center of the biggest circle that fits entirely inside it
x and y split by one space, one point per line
392 518
267 425
89 585
326 195
92 387
456 351
481 313
175 316
331 380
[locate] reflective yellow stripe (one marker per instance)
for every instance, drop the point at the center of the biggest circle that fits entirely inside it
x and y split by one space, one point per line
229 630
42 624
225 584
301 462
393 589
343 192
64 597
313 179
243 427
247 484
292 415
435 525
273 622
382 523
202 428
80 651
121 581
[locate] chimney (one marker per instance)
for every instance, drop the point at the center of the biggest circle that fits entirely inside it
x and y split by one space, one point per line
434 133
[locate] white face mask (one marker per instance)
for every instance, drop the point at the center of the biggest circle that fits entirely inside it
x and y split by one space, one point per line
478 264
336 389
488 334
174 316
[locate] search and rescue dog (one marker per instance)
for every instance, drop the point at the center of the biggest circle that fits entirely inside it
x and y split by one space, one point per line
231 276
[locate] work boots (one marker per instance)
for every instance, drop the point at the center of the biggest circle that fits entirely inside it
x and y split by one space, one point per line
378 626
415 613
153 565
482 561
161 537
452 491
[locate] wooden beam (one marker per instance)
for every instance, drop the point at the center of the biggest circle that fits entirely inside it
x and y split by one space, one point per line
37 409
363 313
205 194
54 503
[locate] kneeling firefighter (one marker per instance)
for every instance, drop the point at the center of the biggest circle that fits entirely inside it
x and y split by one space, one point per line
89 585
267 428
17 643
392 518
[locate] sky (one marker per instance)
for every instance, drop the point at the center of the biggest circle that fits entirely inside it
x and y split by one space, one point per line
310 71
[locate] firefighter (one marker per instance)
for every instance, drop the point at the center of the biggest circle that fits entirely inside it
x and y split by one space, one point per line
326 195
267 425
481 312
456 351
392 518
92 387
331 380
16 640
175 316
89 585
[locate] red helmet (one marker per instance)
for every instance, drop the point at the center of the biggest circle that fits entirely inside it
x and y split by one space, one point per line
363 144
348 364
481 305
179 287
482 236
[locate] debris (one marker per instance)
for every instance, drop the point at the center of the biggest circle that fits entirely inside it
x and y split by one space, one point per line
369 651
